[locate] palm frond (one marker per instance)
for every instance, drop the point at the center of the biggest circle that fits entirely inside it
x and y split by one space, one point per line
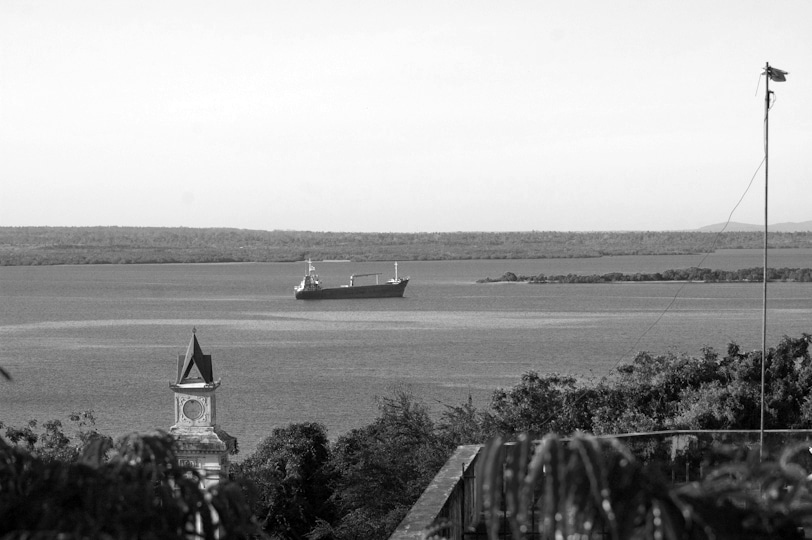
594 488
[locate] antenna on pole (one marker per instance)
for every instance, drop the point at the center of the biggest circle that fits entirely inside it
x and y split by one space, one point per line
777 75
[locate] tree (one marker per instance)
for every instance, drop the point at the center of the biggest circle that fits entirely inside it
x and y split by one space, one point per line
465 424
789 381
667 391
290 481
133 488
734 405
382 469
537 404
51 442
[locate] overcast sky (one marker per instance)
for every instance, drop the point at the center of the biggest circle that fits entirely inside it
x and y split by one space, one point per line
402 116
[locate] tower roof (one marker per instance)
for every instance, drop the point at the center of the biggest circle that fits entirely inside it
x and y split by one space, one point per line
194 357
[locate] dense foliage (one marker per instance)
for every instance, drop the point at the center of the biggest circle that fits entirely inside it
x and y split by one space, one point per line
298 484
288 482
117 245
381 469
589 488
752 275
359 487
134 488
668 391
377 472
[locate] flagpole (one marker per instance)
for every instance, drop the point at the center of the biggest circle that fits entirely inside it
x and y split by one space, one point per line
777 75
764 295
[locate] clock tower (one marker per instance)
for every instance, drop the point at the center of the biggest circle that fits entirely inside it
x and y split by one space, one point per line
200 441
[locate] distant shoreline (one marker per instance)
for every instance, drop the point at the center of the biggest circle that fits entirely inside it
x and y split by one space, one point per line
45 246
700 275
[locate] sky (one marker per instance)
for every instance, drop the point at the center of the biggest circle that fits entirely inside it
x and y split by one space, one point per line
418 116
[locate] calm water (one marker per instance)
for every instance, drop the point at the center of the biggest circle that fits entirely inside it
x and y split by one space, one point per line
107 337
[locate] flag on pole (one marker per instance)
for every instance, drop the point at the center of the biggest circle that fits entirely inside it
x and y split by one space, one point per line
776 74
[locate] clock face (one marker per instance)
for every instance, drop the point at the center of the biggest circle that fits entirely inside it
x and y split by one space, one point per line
192 409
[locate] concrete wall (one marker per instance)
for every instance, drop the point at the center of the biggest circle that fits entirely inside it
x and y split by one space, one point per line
449 497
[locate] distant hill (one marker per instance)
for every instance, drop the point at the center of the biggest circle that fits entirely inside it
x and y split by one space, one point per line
803 226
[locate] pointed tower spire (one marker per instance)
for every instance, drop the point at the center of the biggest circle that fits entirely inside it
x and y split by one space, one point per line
194 357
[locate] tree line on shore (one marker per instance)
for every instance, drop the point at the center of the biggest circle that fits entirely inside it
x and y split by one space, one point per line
140 245
299 484
706 275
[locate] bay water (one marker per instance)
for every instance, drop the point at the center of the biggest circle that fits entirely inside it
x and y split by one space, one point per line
106 337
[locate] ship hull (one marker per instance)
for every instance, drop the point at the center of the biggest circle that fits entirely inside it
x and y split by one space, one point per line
387 290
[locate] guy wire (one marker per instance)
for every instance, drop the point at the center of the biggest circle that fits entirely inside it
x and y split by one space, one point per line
676 295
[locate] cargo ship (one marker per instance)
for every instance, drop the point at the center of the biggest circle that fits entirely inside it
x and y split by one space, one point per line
310 288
